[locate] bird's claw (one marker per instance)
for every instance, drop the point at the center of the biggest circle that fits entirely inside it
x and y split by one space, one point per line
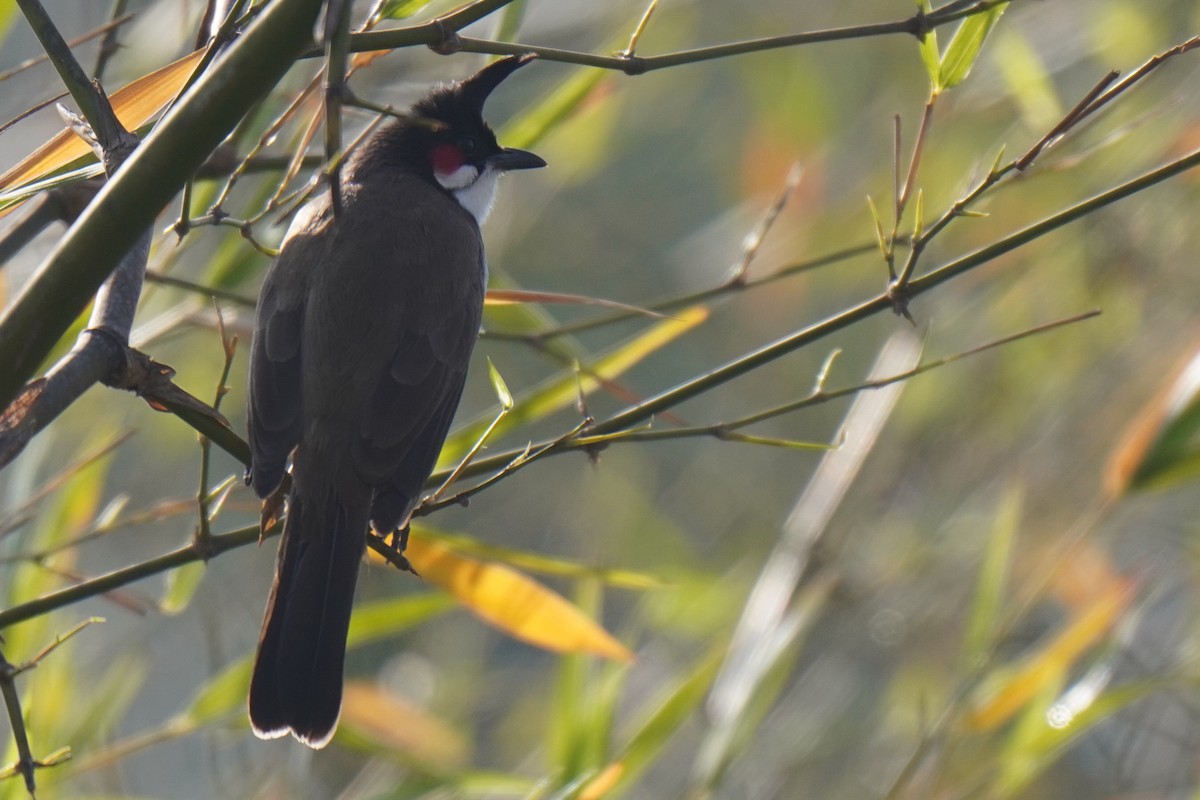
396 543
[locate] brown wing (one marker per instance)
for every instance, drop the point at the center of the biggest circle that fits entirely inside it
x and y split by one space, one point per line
410 413
275 408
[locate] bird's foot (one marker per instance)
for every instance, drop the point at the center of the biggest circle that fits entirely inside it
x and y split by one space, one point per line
396 543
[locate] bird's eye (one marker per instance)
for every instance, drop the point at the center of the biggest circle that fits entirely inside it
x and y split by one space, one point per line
468 144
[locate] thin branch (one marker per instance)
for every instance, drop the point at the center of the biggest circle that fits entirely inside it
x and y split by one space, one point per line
88 96
337 58
109 44
208 291
36 107
1102 93
438 35
754 240
819 394
186 554
106 29
639 29
690 298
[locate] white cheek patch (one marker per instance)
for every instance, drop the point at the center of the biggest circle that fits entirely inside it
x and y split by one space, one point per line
477 196
460 178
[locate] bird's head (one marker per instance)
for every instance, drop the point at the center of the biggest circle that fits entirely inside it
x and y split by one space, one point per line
450 142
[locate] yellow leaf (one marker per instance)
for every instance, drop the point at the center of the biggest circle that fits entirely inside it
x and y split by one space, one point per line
135 105
512 602
603 783
1050 663
396 723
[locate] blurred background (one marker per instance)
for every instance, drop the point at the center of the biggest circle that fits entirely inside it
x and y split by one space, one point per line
983 616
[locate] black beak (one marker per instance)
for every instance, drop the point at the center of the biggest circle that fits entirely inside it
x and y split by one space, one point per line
510 158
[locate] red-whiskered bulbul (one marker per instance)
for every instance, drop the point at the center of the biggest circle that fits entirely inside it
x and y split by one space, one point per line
364 328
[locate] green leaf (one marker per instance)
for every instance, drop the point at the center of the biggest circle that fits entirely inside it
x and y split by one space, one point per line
880 236
499 386
919 220
1028 80
510 21
401 9
560 105
928 48
563 390
993 576
182 584
1163 447
24 192
8 15
1042 742
388 618
965 46
220 695
656 730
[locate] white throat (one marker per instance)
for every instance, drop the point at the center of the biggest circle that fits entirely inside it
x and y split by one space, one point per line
474 190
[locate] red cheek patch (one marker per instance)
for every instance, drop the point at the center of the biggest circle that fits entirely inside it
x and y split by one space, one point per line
446 158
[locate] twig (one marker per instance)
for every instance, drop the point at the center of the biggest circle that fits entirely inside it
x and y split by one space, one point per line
209 291
109 44
107 28
631 48
819 394
203 534
32 110
754 239
434 35
690 298
1102 93
26 764
88 96
186 554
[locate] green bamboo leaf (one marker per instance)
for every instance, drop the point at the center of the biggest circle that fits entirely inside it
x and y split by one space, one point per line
1048 735
492 784
993 577
928 48
557 107
571 734
499 386
768 441
388 618
1017 762
919 221
1029 82
510 21
106 700
1162 445
965 46
560 392
182 583
999 158
68 176
656 731
219 696
880 236
401 9
8 15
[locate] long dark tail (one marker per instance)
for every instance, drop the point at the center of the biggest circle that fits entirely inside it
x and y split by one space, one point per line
297 683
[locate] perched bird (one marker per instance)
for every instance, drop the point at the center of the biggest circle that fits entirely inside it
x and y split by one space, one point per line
364 328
